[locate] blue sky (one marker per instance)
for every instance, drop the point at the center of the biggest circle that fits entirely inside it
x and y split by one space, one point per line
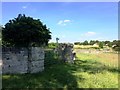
70 21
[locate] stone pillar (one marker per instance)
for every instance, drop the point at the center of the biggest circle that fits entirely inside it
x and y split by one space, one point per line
37 63
16 60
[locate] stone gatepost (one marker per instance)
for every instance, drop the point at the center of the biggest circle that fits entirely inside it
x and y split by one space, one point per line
66 52
37 63
15 60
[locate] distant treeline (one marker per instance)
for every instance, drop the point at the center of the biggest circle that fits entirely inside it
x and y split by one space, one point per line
115 44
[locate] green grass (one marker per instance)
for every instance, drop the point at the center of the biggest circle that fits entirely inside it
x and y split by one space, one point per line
88 71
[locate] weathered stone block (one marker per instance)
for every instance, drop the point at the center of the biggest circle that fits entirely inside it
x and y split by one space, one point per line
15 60
37 53
37 66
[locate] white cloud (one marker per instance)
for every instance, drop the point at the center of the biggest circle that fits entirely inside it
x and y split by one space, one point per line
60 22
67 21
89 34
24 7
63 22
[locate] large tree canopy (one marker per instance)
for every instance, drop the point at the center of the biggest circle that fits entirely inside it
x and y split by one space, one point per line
25 31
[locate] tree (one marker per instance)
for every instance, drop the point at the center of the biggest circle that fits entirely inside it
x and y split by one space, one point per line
25 32
115 42
101 44
85 42
92 42
108 43
77 43
116 45
52 45
97 41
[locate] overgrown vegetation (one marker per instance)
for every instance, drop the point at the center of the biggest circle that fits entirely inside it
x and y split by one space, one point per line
115 44
52 45
25 31
89 71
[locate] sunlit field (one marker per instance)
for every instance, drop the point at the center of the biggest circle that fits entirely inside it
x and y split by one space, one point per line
86 46
88 71
60 45
101 69
110 59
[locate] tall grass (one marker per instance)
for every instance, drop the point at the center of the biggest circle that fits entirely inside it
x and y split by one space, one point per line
88 71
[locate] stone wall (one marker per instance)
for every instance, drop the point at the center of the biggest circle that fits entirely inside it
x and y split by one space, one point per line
66 52
37 63
15 60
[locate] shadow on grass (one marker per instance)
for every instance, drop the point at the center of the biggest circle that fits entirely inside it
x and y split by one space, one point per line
93 67
56 75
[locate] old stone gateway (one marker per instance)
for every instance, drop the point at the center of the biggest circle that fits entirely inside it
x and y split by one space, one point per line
19 61
15 60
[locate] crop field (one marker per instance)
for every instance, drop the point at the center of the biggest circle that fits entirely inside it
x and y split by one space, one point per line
85 46
98 70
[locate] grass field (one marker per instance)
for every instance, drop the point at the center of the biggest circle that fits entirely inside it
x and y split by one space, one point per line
88 71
